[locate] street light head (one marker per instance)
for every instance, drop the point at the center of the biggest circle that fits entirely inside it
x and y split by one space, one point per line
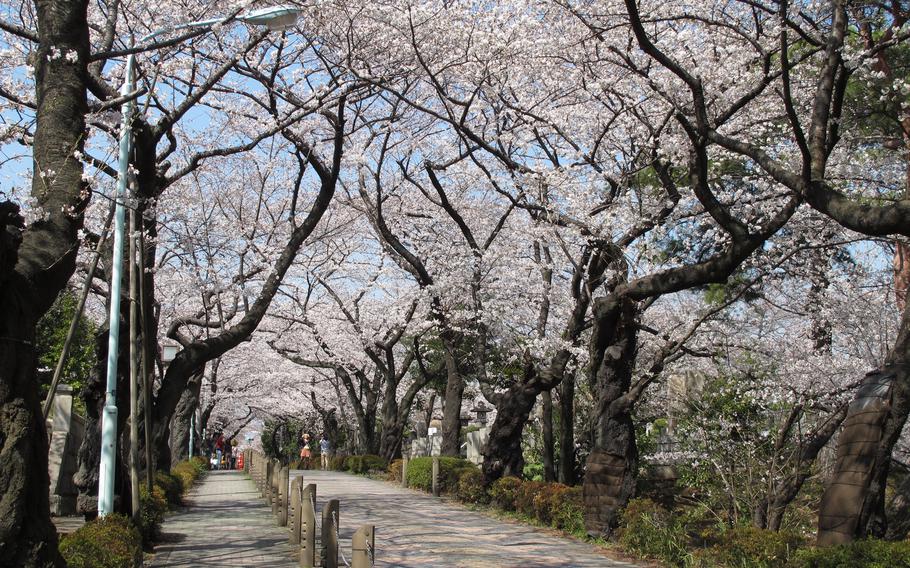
275 18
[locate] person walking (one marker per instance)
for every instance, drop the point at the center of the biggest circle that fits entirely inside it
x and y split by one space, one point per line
324 448
305 452
219 449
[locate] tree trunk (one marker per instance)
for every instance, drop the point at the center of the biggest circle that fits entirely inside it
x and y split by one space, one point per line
180 424
35 265
89 456
853 503
549 470
770 514
567 466
27 537
612 465
451 415
502 453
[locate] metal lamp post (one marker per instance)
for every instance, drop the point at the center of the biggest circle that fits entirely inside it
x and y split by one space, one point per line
275 18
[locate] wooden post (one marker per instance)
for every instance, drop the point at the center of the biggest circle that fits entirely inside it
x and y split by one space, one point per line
308 527
329 539
294 510
283 497
435 476
362 546
404 471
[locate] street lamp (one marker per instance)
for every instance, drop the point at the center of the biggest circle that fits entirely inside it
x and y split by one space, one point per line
275 18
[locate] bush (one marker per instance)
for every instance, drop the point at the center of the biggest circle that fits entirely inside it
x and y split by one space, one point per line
109 542
750 547
470 487
171 486
187 473
502 492
546 501
394 471
525 494
420 473
365 463
866 553
337 462
648 529
567 511
152 508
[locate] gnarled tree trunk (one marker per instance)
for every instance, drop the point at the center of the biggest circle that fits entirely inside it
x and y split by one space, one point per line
612 465
853 503
180 424
35 265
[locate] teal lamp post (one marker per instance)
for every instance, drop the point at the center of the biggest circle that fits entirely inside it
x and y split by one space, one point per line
275 18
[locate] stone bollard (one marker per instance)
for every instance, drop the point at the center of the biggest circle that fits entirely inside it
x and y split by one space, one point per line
329 539
273 486
308 526
266 476
283 496
294 510
435 476
404 471
363 545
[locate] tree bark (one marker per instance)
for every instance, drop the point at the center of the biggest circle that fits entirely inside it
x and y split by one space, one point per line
854 501
89 456
455 383
35 265
612 465
567 465
180 424
549 470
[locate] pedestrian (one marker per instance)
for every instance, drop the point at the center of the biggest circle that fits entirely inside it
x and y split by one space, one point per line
219 449
324 448
228 455
305 452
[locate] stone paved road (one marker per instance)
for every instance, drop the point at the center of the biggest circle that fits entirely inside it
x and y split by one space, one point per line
414 529
226 523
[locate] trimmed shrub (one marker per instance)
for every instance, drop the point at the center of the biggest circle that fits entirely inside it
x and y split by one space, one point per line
525 494
420 473
649 530
187 473
750 547
365 463
152 508
567 511
547 500
866 553
394 471
171 486
502 492
109 542
337 462
470 487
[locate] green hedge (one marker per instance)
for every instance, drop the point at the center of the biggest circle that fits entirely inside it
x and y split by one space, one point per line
109 542
152 508
364 464
420 473
470 487
171 486
750 547
865 553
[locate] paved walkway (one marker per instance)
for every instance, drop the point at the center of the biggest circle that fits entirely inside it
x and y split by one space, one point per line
414 529
226 523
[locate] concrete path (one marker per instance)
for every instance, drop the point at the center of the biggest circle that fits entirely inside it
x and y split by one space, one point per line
414 529
225 523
